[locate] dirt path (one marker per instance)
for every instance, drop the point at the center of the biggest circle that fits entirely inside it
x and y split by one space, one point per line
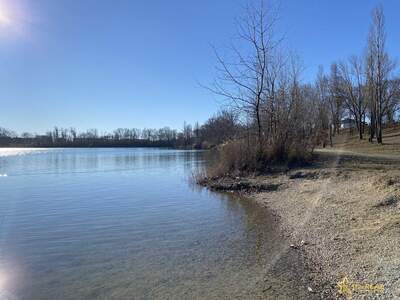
340 152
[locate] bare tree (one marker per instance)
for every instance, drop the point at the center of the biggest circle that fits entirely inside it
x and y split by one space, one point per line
379 68
325 115
335 98
187 134
353 90
247 81
393 95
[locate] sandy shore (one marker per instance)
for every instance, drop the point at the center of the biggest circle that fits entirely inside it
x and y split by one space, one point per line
340 222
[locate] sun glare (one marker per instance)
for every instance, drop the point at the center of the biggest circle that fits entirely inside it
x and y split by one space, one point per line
5 14
13 18
2 280
4 18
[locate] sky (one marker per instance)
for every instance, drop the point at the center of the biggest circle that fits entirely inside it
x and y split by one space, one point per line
133 63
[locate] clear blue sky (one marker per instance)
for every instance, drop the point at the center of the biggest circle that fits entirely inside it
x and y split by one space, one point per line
133 63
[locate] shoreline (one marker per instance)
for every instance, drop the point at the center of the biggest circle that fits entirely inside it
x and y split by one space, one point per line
340 219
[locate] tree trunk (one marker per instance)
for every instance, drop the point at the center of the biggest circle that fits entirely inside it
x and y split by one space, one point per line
363 124
379 123
372 129
260 143
379 130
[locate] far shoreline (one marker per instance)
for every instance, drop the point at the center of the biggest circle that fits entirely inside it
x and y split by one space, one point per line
97 147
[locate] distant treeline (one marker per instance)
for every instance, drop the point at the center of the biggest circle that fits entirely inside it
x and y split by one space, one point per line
216 130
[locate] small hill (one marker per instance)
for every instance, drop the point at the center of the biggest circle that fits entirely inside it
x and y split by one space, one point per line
348 140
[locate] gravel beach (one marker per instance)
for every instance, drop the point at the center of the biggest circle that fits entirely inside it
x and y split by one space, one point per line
340 219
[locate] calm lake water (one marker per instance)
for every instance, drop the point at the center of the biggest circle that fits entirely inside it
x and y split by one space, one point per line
123 224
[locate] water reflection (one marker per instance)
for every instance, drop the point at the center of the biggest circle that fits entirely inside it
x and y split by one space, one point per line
123 224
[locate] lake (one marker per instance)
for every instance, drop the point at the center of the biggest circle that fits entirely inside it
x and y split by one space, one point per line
124 224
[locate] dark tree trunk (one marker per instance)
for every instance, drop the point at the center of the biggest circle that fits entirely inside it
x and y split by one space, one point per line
260 142
372 129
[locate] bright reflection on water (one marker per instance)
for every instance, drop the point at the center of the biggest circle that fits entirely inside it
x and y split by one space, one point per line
123 224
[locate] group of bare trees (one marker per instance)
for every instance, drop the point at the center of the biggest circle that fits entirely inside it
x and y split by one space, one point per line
220 128
383 89
262 85
284 117
364 87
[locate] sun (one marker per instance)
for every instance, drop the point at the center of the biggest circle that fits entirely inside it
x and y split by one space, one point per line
4 18
14 21
5 14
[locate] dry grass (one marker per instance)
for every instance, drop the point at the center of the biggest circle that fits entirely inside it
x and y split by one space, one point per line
243 157
233 158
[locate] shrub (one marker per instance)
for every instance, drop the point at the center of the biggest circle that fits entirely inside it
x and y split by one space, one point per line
243 157
233 158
